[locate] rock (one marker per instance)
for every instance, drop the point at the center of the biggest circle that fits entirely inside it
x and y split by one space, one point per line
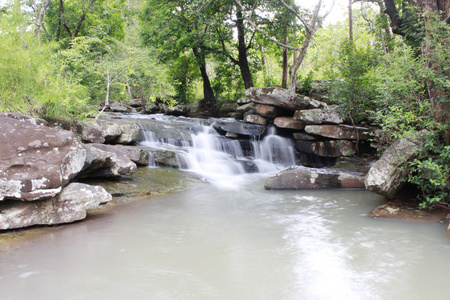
90 132
229 107
241 110
303 136
277 96
120 133
340 132
243 100
313 178
69 206
165 158
121 107
107 161
23 118
267 111
137 103
287 122
255 119
136 154
335 148
239 128
386 175
318 116
37 161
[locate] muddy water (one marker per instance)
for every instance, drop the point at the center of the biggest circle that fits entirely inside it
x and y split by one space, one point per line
233 243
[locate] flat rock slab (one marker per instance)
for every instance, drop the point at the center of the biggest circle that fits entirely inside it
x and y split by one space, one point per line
318 116
36 161
277 96
314 178
289 123
338 132
239 128
69 206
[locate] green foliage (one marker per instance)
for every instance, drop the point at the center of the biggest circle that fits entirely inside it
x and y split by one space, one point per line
306 85
29 77
353 88
430 170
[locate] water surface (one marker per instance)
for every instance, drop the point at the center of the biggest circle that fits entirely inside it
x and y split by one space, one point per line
233 243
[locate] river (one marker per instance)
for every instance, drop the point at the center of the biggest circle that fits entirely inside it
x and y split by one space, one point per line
229 238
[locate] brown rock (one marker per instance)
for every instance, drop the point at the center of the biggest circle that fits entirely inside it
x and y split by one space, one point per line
287 122
268 111
339 132
255 119
335 148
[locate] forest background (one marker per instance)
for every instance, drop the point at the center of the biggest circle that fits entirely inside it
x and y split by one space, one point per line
386 64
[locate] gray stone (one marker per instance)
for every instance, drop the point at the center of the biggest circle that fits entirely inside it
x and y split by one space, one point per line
107 161
334 148
36 161
165 158
136 154
243 100
120 133
69 206
289 123
121 107
339 132
277 96
137 102
386 175
90 132
239 128
255 119
313 178
319 116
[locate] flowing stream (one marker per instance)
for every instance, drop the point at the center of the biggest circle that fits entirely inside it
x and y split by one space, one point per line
228 238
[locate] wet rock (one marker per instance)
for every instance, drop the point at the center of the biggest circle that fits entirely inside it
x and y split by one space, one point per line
165 158
313 178
319 116
334 148
287 122
277 96
255 119
90 132
267 111
339 132
69 206
107 161
240 128
36 161
386 175
241 110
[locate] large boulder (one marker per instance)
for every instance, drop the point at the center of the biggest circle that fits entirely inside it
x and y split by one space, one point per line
300 177
386 175
277 96
69 206
165 158
319 116
107 161
332 148
240 128
91 132
36 161
120 132
339 132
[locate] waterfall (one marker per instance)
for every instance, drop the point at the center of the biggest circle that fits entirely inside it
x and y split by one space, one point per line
201 149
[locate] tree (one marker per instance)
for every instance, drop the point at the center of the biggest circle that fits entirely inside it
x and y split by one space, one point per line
179 27
309 23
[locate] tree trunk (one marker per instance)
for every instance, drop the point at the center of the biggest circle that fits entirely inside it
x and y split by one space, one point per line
350 21
40 19
209 99
285 64
242 49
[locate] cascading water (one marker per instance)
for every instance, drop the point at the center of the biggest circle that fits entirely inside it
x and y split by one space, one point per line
201 149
